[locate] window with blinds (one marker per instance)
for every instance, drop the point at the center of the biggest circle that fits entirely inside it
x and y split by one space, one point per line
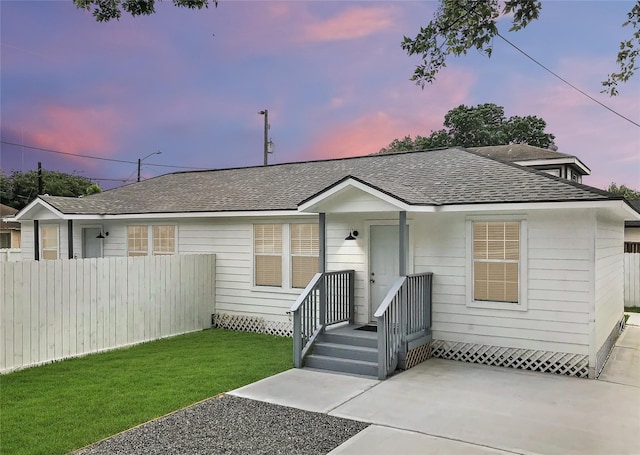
138 240
496 261
304 254
164 240
49 235
267 248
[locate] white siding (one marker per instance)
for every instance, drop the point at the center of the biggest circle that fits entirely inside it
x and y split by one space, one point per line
26 228
558 284
609 277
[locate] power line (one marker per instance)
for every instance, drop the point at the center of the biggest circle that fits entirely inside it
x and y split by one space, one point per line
98 157
567 82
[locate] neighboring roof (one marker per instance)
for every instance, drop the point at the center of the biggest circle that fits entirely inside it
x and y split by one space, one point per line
438 177
635 203
521 153
7 212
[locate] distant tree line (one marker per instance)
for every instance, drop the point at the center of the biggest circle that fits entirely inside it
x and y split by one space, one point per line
18 189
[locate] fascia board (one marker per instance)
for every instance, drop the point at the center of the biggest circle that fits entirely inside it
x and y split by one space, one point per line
312 204
22 214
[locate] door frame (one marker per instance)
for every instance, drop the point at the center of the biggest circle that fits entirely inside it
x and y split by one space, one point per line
367 226
90 226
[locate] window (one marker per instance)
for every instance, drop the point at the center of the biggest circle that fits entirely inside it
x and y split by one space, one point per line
138 240
267 247
5 240
496 261
304 254
49 235
164 240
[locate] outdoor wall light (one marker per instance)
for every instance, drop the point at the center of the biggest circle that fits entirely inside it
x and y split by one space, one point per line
101 236
352 235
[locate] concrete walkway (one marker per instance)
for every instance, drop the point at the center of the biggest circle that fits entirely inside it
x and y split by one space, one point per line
449 407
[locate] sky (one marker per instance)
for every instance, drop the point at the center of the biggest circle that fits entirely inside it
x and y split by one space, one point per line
332 76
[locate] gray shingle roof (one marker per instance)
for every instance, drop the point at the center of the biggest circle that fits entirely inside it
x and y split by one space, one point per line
438 177
519 152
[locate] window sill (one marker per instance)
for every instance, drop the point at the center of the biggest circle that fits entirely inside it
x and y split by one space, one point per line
497 305
277 290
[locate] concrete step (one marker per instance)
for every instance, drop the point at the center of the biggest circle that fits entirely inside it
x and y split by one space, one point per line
345 351
342 365
365 339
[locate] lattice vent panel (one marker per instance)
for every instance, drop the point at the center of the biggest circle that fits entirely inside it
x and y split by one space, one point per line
252 324
524 359
418 355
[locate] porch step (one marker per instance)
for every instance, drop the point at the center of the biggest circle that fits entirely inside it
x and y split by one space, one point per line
346 350
342 365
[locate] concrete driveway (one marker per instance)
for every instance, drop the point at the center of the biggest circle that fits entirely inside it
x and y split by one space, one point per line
449 407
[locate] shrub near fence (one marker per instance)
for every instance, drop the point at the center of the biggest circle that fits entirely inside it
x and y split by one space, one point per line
51 310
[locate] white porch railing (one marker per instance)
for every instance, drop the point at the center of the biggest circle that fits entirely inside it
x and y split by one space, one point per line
404 320
328 299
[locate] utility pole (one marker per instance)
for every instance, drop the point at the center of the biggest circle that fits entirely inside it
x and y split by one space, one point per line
40 183
140 160
266 135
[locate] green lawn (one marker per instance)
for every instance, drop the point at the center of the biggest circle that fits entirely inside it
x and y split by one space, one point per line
632 309
63 406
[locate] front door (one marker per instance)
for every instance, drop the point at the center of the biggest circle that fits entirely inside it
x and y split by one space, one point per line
383 264
91 245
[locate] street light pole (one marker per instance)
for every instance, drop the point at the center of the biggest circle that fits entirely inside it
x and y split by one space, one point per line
266 135
140 160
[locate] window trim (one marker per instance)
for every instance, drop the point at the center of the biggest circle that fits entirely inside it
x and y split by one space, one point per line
522 304
42 248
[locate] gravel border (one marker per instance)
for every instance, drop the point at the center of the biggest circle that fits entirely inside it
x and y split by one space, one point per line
232 425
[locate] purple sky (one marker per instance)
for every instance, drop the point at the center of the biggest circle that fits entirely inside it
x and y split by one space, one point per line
332 75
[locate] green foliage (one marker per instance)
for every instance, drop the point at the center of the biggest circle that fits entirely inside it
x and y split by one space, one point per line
482 125
461 25
63 406
105 10
624 191
20 188
629 51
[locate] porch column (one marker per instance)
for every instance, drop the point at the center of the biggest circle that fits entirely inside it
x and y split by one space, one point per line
36 240
402 243
322 239
70 238
322 266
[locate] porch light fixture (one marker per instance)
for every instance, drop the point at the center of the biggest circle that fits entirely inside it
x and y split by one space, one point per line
352 235
101 236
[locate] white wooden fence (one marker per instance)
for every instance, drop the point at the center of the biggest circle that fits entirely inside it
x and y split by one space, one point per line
632 279
10 255
51 310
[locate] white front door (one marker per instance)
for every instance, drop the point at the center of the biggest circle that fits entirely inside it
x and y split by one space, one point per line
383 264
91 245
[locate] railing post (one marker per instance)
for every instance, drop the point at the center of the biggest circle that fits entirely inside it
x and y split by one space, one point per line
322 311
351 278
382 347
297 339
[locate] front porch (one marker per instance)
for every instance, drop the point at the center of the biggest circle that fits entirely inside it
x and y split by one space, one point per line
325 335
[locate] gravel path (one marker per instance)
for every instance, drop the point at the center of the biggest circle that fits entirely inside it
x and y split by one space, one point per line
232 425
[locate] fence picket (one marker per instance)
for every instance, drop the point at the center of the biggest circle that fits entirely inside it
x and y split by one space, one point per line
52 310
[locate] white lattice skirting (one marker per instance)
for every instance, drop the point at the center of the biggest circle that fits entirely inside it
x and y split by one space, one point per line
524 359
251 324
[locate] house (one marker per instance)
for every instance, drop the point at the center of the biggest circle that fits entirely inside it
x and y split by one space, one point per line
450 252
9 229
550 161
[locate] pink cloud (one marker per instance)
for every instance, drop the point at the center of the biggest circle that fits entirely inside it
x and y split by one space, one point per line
352 23
75 130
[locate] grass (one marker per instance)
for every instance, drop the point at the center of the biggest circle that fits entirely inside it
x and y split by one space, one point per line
59 407
632 309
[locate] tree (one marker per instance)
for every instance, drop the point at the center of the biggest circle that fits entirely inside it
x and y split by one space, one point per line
105 10
482 125
461 25
624 191
20 188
